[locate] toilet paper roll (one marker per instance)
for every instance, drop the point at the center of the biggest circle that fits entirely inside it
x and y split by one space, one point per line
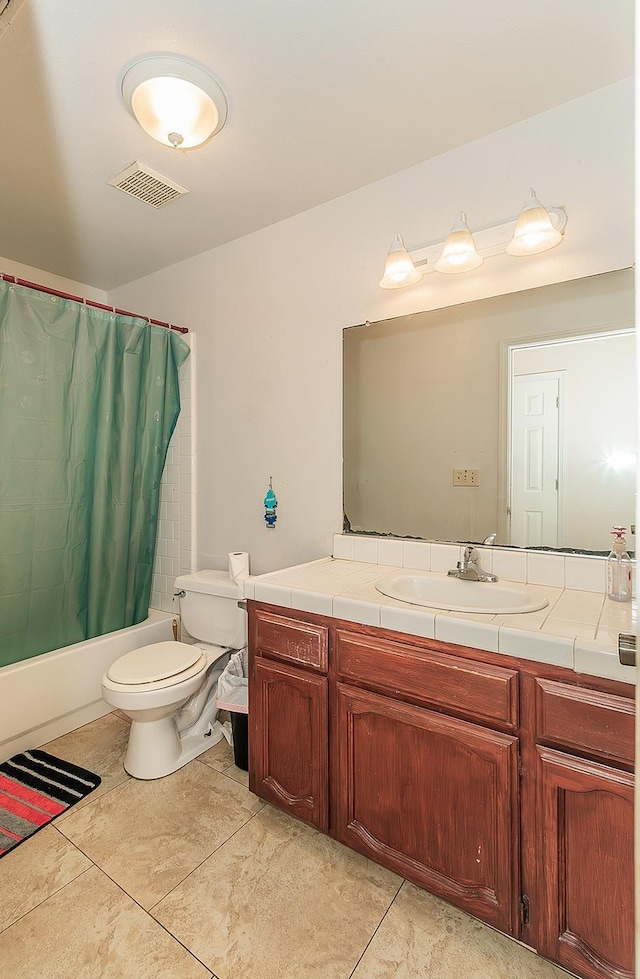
239 566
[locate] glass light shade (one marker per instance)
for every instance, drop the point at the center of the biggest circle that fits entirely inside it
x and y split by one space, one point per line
175 101
399 270
534 231
459 252
175 112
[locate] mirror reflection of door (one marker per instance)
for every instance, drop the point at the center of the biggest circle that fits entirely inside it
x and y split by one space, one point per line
535 459
587 443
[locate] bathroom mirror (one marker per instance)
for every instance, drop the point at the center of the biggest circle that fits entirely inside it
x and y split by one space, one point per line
513 415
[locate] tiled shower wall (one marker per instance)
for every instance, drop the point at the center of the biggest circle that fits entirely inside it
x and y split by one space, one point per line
176 538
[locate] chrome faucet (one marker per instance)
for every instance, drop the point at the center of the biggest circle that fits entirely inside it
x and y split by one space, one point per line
468 569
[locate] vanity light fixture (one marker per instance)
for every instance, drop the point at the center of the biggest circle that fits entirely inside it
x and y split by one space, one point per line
459 253
399 270
177 102
536 229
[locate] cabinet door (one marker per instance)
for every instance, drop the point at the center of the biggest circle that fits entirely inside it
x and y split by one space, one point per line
432 797
586 857
288 741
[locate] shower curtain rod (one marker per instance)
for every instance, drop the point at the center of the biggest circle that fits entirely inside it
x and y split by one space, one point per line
88 302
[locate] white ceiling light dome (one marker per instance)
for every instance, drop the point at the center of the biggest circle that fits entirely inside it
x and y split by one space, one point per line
176 101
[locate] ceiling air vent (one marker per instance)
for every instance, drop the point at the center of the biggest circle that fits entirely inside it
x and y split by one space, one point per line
147 185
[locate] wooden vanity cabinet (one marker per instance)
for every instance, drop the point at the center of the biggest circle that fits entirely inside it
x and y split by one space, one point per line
288 715
432 796
585 745
504 786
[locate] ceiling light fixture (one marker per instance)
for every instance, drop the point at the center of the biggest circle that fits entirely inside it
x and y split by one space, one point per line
537 229
177 102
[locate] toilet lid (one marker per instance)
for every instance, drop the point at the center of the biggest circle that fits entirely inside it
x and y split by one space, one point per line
159 661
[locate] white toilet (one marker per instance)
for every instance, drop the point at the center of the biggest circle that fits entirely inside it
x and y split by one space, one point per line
168 689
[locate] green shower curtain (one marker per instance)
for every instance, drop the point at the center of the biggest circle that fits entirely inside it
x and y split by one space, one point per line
88 402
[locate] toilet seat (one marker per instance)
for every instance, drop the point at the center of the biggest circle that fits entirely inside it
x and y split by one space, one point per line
154 667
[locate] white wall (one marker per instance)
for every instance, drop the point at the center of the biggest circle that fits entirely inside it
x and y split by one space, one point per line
42 278
269 309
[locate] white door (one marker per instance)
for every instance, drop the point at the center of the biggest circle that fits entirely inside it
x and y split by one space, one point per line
535 464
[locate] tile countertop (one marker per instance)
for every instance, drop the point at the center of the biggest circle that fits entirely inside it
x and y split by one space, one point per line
578 629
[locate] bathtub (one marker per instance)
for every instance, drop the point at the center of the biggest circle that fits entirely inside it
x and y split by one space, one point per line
49 695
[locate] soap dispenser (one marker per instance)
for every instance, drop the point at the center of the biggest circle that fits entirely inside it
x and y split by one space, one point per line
619 568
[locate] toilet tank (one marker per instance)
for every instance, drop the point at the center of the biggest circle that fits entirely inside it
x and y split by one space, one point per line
209 608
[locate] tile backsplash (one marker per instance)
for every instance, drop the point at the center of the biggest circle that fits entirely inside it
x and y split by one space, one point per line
576 571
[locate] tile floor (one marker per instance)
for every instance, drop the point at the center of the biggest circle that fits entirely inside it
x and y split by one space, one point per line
193 877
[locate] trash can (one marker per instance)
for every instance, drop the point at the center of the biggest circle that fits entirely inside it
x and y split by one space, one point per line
233 695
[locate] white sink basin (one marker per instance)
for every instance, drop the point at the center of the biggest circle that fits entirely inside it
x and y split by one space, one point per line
456 595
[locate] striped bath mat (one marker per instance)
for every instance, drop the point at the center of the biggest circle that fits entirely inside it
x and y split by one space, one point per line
35 787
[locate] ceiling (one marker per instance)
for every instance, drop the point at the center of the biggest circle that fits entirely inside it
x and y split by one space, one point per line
324 97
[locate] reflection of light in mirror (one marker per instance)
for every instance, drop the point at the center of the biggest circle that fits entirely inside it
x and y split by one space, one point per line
620 460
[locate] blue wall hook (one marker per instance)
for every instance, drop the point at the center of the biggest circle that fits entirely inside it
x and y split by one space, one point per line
270 504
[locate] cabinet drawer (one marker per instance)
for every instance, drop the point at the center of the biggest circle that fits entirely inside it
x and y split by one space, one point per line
291 640
599 724
471 690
